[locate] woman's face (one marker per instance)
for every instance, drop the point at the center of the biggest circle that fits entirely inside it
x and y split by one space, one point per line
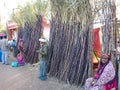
104 60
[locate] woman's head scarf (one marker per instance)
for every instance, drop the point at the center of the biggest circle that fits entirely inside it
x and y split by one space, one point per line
104 56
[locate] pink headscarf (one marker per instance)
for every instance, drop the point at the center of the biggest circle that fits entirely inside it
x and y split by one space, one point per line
102 65
105 56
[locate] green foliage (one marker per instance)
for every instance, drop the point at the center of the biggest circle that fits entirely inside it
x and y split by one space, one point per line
41 7
72 10
17 16
29 12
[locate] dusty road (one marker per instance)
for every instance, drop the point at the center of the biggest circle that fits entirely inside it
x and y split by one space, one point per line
26 78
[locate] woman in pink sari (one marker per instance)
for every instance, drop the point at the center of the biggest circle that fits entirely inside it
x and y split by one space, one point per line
20 59
105 79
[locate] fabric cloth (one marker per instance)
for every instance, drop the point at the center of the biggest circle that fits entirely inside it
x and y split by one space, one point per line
0 43
105 56
14 64
5 57
4 48
43 55
42 40
4 45
20 59
107 75
43 75
96 45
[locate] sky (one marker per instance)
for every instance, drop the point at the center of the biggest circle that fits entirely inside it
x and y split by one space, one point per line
7 6
10 4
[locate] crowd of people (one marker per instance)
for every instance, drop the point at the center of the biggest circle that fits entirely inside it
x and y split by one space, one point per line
5 47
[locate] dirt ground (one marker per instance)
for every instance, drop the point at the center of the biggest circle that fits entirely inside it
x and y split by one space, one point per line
26 78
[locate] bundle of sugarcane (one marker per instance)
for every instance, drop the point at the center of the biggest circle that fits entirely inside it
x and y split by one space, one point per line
26 16
70 43
20 34
31 36
110 31
109 26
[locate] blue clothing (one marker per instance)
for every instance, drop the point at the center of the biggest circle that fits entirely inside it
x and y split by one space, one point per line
14 45
0 55
4 48
43 57
43 75
4 57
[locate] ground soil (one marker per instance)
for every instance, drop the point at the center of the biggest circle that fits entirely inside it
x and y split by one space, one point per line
26 78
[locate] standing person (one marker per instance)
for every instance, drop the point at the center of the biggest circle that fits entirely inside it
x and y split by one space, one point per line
105 79
0 41
4 48
0 48
43 57
14 45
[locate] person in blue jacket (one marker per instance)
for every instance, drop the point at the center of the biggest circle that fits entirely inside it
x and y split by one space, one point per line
0 49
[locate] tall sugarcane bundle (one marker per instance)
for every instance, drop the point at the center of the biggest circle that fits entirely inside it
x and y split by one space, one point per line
70 43
30 17
109 30
106 12
20 33
31 40
109 25
109 35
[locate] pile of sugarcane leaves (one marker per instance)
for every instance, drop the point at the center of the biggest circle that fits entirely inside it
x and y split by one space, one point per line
69 52
31 34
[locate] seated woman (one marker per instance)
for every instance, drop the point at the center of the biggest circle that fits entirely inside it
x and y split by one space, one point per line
20 59
105 79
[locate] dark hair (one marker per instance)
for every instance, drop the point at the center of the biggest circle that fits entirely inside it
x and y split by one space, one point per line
1 37
5 36
13 40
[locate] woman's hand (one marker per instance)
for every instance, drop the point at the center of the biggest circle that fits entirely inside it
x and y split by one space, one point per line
93 82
